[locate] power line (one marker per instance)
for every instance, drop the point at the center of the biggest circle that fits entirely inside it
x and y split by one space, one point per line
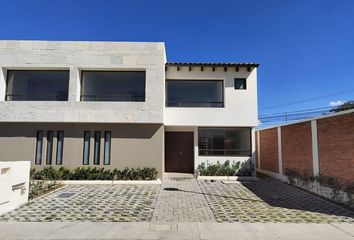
309 99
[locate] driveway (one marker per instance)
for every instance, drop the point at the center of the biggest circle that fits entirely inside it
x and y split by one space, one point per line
181 200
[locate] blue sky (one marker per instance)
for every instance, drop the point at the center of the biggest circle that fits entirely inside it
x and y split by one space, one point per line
305 48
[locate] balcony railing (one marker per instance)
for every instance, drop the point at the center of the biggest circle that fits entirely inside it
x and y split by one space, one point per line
36 97
113 98
195 104
225 152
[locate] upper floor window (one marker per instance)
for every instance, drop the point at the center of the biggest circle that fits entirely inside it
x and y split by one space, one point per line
240 83
113 86
195 93
37 85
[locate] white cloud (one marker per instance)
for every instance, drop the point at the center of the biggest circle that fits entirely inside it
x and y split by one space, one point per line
336 103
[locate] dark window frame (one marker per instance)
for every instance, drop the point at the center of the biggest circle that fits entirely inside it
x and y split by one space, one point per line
111 71
194 80
61 152
110 148
212 155
244 81
34 70
88 148
97 147
49 150
38 158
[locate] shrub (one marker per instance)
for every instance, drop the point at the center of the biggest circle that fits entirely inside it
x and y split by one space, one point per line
94 173
37 188
226 169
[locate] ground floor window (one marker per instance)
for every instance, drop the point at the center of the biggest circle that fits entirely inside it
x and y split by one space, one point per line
60 147
39 148
86 153
224 141
96 155
49 147
107 148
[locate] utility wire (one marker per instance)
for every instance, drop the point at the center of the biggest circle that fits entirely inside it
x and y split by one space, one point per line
309 99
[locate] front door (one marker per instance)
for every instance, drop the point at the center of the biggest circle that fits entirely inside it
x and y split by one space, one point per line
179 152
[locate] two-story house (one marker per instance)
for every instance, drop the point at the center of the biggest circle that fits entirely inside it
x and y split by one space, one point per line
121 104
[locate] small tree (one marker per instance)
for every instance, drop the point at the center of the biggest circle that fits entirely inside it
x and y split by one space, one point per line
345 106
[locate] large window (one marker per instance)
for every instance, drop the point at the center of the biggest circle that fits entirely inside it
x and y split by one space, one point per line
86 153
194 93
39 148
97 149
25 85
113 86
107 148
225 142
49 156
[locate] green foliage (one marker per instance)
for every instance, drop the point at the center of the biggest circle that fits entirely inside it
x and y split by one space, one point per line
37 188
226 169
345 106
94 173
350 192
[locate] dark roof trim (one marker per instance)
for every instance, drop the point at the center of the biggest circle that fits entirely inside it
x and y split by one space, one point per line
199 64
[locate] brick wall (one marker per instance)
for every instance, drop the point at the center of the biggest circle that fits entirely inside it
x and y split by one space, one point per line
336 147
297 147
268 141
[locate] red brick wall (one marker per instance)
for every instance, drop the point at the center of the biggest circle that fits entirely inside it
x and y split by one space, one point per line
336 147
256 135
269 150
297 147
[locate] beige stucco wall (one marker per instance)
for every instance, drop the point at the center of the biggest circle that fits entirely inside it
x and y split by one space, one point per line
133 145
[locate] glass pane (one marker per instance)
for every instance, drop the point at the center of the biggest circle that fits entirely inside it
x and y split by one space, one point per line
96 159
107 148
60 147
113 86
195 93
39 147
86 157
23 85
240 83
49 147
225 141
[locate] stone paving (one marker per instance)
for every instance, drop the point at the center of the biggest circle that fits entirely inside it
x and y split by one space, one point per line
183 200
179 202
269 200
96 203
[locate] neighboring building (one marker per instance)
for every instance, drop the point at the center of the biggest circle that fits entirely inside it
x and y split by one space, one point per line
119 104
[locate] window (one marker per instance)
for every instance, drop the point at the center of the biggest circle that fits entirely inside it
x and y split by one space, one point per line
49 154
96 159
25 85
39 148
113 86
60 147
225 141
107 148
86 154
240 83
195 93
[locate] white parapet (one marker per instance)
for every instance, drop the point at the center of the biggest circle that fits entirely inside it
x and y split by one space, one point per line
14 184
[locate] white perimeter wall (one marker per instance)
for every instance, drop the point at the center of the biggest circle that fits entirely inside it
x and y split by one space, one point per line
240 105
77 56
12 174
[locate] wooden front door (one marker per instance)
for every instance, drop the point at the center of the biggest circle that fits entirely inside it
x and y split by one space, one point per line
179 152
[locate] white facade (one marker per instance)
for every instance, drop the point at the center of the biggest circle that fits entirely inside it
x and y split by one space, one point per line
14 184
239 105
78 56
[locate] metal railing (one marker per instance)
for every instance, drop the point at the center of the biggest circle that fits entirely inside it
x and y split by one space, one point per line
194 104
36 97
225 152
113 98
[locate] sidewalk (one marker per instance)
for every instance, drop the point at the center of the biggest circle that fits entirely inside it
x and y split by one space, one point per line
144 230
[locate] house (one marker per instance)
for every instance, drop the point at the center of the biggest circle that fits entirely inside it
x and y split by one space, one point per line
121 104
